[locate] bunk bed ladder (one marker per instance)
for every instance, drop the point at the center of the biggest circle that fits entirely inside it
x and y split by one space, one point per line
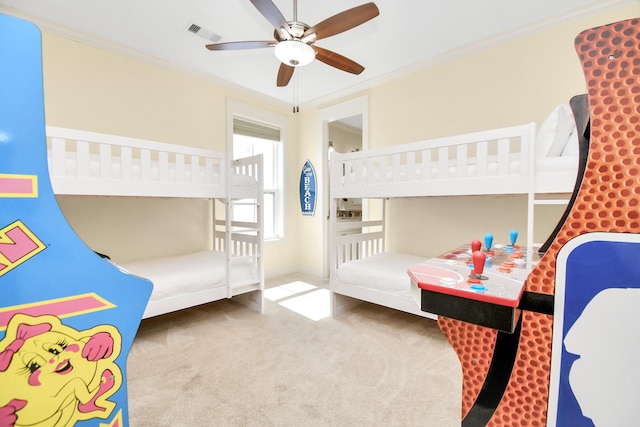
580 109
535 199
244 236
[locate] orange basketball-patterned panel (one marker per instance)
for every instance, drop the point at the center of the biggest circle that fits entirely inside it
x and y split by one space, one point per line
607 200
474 346
524 402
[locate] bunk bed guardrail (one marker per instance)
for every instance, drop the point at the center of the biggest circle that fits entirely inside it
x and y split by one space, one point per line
82 162
443 166
368 240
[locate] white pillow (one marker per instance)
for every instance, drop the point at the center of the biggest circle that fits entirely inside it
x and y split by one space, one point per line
555 131
571 149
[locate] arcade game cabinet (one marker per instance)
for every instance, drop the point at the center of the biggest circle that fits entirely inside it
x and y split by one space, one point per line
67 316
570 359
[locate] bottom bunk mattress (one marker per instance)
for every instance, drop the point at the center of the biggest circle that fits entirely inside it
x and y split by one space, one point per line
189 273
383 272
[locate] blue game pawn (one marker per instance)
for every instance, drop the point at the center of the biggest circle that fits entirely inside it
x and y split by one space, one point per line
488 241
513 235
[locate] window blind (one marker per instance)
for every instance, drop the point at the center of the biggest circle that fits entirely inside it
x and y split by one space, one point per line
256 130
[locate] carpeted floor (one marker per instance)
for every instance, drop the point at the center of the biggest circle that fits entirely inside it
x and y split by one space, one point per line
221 364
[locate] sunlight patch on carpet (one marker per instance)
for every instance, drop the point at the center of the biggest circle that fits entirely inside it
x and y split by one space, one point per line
302 298
287 290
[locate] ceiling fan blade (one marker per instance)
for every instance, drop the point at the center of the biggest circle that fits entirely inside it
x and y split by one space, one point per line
241 45
338 61
285 72
343 21
273 15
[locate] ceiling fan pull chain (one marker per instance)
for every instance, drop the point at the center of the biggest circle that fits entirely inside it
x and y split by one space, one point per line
295 93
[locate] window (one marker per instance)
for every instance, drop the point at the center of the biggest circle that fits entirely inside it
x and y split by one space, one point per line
253 133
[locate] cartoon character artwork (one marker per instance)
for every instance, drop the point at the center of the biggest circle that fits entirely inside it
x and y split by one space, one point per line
53 372
53 375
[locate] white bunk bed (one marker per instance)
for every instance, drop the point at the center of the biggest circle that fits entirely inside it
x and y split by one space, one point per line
513 160
88 163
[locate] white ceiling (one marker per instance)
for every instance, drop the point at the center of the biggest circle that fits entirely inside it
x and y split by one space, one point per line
407 35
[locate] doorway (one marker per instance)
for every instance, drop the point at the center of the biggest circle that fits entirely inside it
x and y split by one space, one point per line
345 136
341 125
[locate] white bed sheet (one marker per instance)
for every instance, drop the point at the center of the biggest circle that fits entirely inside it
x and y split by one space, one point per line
184 274
385 272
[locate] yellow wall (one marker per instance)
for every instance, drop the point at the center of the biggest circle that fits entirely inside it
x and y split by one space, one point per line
516 83
281 256
310 241
132 228
345 139
94 89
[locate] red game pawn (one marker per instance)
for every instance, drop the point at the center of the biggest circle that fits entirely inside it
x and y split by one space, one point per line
479 258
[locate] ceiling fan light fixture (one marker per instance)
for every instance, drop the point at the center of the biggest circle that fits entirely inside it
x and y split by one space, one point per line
309 39
294 53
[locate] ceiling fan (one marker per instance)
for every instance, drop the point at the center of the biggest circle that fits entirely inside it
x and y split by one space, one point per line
294 40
